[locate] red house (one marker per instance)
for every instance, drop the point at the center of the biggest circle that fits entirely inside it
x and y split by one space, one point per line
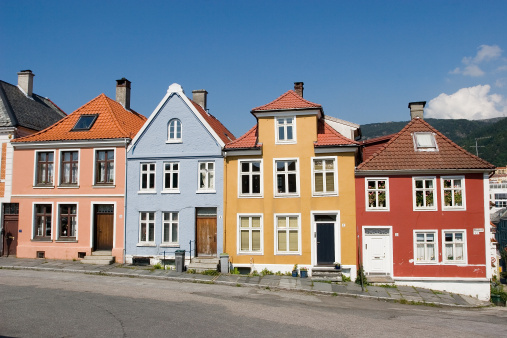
423 211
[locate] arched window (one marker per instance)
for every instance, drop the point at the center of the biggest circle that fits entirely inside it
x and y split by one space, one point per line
174 131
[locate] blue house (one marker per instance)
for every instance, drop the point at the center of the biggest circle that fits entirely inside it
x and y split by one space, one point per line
175 175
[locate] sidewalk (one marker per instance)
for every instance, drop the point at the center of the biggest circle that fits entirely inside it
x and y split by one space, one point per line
402 294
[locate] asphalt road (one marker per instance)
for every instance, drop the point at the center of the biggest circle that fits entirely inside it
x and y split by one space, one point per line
53 304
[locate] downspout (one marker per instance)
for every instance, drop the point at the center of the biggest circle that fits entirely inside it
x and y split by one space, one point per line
224 207
125 208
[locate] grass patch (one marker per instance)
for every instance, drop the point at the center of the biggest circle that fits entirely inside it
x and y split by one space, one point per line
436 292
412 302
389 286
203 282
238 285
334 294
191 271
210 273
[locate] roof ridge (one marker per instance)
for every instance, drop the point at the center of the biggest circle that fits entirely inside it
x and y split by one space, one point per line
113 113
289 92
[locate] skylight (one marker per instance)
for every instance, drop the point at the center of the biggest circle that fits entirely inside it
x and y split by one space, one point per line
425 142
85 122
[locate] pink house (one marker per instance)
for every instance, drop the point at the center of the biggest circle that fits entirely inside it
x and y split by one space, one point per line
69 181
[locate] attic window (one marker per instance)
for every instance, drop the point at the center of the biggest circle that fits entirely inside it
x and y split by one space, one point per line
425 142
85 122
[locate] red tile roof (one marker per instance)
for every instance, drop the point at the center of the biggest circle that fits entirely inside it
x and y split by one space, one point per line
113 121
289 100
248 140
328 136
225 135
399 153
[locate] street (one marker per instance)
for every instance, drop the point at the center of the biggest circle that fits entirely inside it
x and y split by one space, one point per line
49 304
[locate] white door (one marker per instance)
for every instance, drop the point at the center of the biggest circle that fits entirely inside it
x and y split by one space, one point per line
377 251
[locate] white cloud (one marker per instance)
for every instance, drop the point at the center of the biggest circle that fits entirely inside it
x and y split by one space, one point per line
472 70
487 53
472 103
484 53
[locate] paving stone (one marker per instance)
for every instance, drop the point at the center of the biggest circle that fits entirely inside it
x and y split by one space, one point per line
269 282
322 287
338 288
459 300
377 291
404 288
253 280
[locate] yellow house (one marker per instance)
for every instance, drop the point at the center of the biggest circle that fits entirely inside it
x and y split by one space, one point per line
289 189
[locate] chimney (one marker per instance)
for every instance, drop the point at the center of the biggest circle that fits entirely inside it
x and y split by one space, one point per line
416 109
123 92
25 81
298 88
200 97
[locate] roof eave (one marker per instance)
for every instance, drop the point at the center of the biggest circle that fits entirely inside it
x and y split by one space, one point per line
362 172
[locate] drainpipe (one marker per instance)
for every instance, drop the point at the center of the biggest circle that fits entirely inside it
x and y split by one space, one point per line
125 207
224 207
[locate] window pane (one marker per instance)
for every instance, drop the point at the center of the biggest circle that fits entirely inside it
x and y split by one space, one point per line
175 232
292 183
282 241
245 240
256 184
256 240
166 232
281 222
329 182
143 232
256 166
256 222
293 222
319 182
244 222
152 234
293 241
245 184
245 167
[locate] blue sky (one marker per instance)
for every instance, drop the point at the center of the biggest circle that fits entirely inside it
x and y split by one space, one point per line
362 60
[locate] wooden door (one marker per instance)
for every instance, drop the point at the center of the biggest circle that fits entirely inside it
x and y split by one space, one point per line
104 222
206 236
325 243
10 235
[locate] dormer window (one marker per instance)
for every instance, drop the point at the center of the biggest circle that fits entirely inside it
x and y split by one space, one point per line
85 122
174 131
425 142
285 130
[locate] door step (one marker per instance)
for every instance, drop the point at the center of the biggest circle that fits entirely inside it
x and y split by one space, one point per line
201 264
102 257
379 279
326 273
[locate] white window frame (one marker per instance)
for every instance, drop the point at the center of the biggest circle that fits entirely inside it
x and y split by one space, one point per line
434 189
174 139
275 181
61 171
171 171
324 171
463 193
285 124
250 229
206 189
376 190
94 164
57 234
435 246
275 227
434 147
464 260
148 172
34 219
172 223
147 242
36 169
250 174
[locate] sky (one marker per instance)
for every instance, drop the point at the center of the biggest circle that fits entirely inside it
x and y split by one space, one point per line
363 61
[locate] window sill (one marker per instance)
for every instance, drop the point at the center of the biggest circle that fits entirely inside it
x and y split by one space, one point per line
206 192
66 241
286 142
69 186
101 186
42 240
286 196
454 263
173 141
147 244
426 263
425 209
378 209
288 253
328 194
170 192
454 209
147 192
170 245
251 253
251 196
42 186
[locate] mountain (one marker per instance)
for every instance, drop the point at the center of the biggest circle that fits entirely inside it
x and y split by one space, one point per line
491 135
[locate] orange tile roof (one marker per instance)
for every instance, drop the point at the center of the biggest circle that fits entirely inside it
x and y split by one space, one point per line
399 153
113 122
328 136
248 140
289 100
225 135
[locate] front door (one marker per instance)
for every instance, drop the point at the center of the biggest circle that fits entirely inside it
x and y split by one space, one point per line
10 221
104 226
325 243
377 251
206 232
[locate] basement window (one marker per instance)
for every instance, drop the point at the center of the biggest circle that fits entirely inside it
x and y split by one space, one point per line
85 122
425 142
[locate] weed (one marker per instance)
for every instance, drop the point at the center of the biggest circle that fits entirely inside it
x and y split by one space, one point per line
157 266
191 271
203 282
210 272
73 259
238 285
334 294
255 273
268 288
265 272
346 279
235 271
437 292
389 286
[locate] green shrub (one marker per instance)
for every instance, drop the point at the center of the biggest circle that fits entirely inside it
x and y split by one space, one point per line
265 272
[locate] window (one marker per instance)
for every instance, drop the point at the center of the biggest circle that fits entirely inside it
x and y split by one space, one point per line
425 142
454 246
325 178
171 176
174 131
104 170
425 247
147 227
70 161
147 176
453 191
377 194
285 130
501 200
250 234
207 176
45 171
251 178
42 228
170 228
424 193
286 177
287 234
85 122
67 221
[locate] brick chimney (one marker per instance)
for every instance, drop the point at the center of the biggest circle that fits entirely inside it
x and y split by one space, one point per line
298 88
123 92
25 81
416 109
200 96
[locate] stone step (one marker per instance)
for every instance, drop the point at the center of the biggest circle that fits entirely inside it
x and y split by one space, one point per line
379 279
326 273
102 253
206 260
99 259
